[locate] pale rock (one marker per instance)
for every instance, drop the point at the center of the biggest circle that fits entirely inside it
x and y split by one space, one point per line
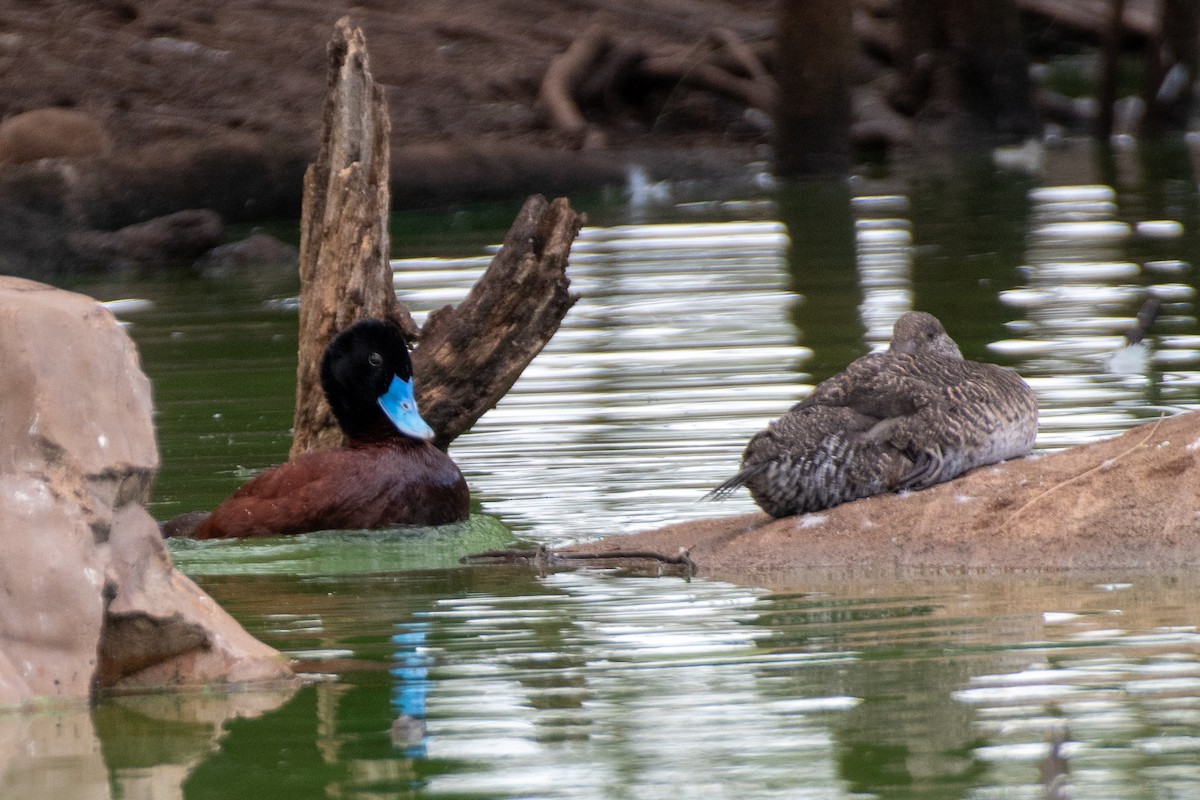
52 133
91 599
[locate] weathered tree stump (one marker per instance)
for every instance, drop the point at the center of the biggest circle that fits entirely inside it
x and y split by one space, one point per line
472 354
344 270
468 356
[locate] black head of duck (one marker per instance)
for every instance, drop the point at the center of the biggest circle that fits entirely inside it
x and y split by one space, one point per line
367 377
388 474
909 417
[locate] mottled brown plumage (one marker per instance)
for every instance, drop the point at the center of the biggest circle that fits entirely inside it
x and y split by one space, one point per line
912 416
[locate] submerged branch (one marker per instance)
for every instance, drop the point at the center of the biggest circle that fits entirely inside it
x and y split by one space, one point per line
543 557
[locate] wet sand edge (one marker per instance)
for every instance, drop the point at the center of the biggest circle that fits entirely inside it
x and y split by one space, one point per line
1132 501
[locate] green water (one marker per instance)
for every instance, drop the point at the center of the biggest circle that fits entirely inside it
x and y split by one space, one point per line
427 678
595 684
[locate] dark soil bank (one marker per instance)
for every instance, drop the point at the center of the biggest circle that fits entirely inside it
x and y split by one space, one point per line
453 72
216 104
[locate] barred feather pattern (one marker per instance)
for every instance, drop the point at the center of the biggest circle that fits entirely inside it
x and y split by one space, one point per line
913 416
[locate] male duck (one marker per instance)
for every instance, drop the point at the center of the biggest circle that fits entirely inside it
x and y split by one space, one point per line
388 474
912 416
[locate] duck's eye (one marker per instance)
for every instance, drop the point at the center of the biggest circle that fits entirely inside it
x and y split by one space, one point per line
375 360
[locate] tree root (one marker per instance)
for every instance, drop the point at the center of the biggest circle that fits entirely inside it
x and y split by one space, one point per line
557 93
703 74
606 72
741 53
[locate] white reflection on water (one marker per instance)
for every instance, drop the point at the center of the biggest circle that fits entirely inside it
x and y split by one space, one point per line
883 248
592 684
638 684
608 686
1100 685
1080 298
677 352
681 348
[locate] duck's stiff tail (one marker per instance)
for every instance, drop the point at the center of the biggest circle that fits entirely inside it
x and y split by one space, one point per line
736 482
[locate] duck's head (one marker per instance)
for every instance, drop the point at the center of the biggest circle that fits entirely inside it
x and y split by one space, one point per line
368 380
918 333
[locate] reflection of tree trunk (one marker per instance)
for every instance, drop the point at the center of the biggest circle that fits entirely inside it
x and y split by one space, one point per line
1165 165
1171 68
966 73
470 355
815 51
820 227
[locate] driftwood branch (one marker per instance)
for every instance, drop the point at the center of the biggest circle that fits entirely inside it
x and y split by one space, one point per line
543 557
471 354
344 271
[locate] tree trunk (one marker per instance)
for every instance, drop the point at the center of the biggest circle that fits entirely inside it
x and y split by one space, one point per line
468 356
992 70
1110 61
966 73
816 50
1171 68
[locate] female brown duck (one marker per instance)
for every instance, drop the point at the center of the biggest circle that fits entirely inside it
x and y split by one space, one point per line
388 474
912 416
